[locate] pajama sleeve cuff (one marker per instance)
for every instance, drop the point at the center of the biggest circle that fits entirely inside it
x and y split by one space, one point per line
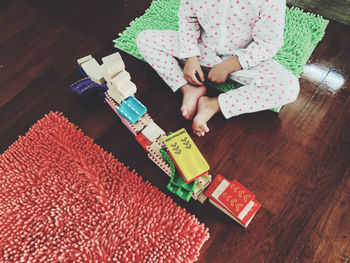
194 53
242 60
224 110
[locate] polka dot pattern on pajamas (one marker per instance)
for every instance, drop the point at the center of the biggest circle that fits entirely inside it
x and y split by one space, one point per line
215 30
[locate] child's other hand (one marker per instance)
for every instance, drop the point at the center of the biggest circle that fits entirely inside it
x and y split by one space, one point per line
219 73
190 69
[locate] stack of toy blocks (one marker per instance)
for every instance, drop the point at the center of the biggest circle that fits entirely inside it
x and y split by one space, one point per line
189 162
233 199
133 114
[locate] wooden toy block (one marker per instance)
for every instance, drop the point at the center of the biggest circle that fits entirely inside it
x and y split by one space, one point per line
205 180
142 122
202 184
129 89
153 131
186 156
84 59
94 71
155 147
121 80
198 190
160 163
202 198
112 58
145 119
112 65
117 97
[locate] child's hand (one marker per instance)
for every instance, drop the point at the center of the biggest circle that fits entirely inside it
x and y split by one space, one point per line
220 72
190 69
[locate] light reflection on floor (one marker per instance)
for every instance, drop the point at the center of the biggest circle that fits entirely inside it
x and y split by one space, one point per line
331 80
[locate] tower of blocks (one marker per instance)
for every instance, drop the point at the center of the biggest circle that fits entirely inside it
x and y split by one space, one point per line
175 153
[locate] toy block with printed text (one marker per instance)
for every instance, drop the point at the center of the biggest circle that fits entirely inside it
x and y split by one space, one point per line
186 156
238 202
236 198
93 70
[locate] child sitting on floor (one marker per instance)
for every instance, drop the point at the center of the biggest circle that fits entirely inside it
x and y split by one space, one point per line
231 39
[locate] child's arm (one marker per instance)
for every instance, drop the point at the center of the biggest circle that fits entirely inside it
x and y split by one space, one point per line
220 72
189 30
267 34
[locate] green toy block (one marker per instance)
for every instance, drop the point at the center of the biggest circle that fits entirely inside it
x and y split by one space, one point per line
176 184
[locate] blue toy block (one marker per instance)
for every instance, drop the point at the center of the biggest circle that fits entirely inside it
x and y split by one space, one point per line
86 85
82 72
131 109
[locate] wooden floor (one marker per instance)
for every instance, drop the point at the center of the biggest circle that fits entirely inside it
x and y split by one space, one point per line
296 162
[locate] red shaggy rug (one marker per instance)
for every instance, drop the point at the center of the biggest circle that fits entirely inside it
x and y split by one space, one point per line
64 199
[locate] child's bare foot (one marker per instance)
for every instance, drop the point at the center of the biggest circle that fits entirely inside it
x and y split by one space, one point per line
207 107
191 94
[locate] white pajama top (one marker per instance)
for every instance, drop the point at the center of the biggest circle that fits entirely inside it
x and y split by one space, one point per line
249 29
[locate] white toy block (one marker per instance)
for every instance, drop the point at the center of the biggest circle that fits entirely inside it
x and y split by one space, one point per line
142 122
112 57
112 64
154 148
205 180
145 119
128 90
112 68
116 96
202 198
84 59
120 80
197 190
152 132
94 71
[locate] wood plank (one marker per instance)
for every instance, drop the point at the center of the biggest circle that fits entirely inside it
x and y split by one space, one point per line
329 240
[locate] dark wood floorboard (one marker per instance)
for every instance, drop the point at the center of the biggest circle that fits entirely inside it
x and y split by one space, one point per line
296 162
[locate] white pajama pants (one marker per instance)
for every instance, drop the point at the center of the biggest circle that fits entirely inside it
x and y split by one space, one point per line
265 86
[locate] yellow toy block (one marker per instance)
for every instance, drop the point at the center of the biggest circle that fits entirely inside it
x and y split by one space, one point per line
186 156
